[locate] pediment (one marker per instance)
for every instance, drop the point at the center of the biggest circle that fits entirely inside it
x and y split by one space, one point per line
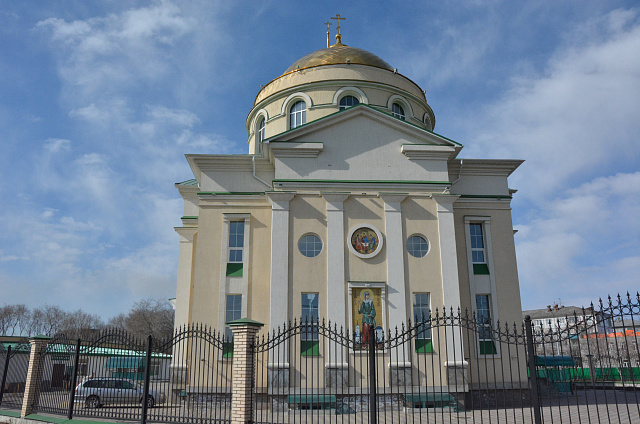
361 143
364 117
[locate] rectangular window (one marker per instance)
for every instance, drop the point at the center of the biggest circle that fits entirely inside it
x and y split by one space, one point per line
309 345
483 316
478 253
233 312
422 321
236 247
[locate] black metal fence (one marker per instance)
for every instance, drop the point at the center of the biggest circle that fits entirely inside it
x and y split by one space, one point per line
452 366
184 379
14 363
448 366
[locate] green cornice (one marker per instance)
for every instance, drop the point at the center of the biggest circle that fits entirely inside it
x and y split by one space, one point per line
359 181
189 217
191 182
230 193
485 196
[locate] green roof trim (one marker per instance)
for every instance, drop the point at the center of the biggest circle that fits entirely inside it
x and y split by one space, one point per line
40 337
485 196
360 181
191 182
58 348
231 193
245 321
189 217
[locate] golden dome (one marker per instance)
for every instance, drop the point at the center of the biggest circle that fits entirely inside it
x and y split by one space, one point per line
338 54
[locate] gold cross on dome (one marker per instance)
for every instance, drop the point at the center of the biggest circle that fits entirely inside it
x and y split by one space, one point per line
328 24
338 18
338 36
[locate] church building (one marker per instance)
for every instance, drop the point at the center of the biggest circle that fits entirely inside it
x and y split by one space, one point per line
347 202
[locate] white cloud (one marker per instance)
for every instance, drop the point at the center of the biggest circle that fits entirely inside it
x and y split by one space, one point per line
55 145
575 121
118 49
583 245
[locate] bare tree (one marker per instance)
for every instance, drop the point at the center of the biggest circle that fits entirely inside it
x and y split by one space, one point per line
147 317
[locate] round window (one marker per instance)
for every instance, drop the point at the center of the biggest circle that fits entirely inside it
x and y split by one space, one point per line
417 246
310 245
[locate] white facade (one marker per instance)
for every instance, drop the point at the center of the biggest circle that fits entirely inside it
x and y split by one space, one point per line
382 199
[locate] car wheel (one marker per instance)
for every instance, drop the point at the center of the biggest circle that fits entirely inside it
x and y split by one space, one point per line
150 401
92 402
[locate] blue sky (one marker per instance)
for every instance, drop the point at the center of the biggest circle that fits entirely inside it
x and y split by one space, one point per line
99 101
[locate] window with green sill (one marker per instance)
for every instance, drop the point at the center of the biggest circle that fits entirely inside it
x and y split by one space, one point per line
422 322
478 253
309 343
233 312
486 345
236 247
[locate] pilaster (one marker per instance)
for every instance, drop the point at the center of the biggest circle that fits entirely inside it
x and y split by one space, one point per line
279 298
396 297
336 289
449 270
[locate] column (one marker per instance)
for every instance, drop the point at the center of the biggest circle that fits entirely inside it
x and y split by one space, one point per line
455 363
34 374
178 367
336 301
244 334
400 367
336 373
279 299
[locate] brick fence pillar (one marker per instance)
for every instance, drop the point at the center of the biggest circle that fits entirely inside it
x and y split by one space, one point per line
244 336
34 374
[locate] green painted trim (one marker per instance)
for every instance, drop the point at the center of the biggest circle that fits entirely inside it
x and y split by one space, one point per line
40 337
234 269
231 193
309 348
47 419
481 269
189 217
485 196
359 181
424 346
191 182
10 414
244 321
227 350
487 347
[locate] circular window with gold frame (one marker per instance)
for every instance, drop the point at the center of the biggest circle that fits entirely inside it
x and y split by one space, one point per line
365 241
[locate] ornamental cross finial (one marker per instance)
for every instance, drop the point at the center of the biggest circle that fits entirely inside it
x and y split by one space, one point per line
328 24
338 35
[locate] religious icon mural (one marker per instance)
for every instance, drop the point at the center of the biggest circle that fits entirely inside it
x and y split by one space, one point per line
365 240
367 314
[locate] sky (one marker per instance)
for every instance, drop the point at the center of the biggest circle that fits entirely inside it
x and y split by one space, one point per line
100 100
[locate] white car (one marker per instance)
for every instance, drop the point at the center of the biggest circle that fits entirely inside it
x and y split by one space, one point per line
95 392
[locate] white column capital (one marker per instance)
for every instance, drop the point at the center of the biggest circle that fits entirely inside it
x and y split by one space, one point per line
335 201
280 199
186 233
445 201
392 201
